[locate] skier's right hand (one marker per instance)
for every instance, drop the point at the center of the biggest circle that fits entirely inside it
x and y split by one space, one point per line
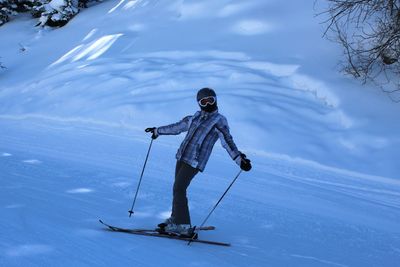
152 130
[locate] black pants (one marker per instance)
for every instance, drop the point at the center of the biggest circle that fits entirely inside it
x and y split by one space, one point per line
184 174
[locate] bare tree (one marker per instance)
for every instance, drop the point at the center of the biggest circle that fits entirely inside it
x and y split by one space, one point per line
369 31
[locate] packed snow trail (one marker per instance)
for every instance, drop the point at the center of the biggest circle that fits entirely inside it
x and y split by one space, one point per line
58 178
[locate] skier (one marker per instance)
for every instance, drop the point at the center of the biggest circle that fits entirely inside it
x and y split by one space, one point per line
203 129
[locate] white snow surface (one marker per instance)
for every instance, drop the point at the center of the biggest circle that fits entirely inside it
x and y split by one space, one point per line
324 189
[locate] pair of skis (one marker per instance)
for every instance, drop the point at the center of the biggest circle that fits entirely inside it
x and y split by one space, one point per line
158 233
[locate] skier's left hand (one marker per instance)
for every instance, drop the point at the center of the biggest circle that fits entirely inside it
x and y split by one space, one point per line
152 130
243 162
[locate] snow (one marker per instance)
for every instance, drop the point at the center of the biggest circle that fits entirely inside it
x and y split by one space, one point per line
57 4
251 27
324 189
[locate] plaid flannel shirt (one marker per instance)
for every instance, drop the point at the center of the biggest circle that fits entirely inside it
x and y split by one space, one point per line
203 130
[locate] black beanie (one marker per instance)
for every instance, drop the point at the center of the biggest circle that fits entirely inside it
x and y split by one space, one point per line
204 92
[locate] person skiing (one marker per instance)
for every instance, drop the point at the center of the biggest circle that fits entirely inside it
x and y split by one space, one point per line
203 129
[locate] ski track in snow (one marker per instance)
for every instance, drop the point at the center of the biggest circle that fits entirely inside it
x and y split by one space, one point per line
28 250
80 191
32 161
165 78
319 260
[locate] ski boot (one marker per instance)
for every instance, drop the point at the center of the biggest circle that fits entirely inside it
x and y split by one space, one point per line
171 228
167 221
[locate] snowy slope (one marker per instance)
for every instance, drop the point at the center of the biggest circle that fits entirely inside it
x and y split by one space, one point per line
324 190
276 77
57 181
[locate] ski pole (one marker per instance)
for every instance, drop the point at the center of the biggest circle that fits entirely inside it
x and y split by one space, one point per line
140 180
223 195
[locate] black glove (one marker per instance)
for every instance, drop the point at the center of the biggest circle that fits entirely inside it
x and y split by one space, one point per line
243 162
152 130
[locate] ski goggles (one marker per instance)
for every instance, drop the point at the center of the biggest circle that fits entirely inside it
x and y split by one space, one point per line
207 100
